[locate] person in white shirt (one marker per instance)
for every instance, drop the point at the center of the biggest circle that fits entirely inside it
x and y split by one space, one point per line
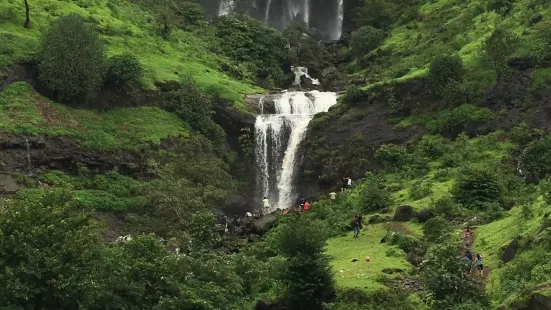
332 196
349 184
266 203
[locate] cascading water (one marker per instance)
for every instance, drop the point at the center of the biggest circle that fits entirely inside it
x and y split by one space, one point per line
226 7
278 137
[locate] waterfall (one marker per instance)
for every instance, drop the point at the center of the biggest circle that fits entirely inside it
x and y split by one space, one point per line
337 27
278 137
302 71
226 7
29 163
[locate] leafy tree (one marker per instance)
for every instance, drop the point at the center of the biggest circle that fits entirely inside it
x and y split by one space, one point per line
171 15
392 156
436 229
303 49
498 47
48 253
124 70
445 72
307 273
247 40
375 196
378 13
446 277
365 39
72 59
476 187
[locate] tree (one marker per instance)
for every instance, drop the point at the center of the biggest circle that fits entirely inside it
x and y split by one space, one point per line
365 39
498 47
375 196
48 253
124 70
307 273
27 15
436 229
535 160
378 13
475 188
72 59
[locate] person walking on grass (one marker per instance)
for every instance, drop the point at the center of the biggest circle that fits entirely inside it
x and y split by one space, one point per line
480 265
356 226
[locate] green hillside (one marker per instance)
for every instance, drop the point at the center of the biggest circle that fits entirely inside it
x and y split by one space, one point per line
114 172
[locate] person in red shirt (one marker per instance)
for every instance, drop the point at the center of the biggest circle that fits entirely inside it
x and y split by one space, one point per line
306 206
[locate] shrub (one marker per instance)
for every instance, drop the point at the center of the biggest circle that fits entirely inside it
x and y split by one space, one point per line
445 71
375 196
454 119
72 60
432 146
500 6
447 207
436 229
354 95
392 156
378 13
476 187
365 39
124 69
535 160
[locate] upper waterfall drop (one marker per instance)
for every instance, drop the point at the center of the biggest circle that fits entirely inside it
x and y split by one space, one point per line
278 138
226 7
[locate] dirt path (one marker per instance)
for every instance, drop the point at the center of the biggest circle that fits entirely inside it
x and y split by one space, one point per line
468 239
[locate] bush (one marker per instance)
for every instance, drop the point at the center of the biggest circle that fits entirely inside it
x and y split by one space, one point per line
500 6
72 60
447 207
375 196
454 119
420 190
476 187
432 146
445 71
365 39
124 69
436 229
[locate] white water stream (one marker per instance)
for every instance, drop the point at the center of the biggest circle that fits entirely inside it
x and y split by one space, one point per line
278 137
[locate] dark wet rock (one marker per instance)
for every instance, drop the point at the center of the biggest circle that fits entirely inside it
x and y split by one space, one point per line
392 270
264 223
377 218
510 251
328 71
425 215
354 260
403 214
266 304
254 238
538 17
521 63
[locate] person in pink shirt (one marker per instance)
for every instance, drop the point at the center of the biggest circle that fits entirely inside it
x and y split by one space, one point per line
306 206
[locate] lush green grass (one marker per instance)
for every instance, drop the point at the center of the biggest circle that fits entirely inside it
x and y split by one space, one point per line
125 27
26 112
361 274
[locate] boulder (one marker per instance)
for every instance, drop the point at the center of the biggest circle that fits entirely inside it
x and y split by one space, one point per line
377 218
8 185
403 214
510 251
392 270
425 215
264 223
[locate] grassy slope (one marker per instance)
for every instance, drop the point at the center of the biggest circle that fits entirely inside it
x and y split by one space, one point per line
125 27
362 275
453 26
23 111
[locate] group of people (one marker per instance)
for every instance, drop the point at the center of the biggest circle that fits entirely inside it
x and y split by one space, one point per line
346 183
469 258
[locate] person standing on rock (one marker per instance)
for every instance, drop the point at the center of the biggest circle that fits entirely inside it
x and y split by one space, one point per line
348 183
266 204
